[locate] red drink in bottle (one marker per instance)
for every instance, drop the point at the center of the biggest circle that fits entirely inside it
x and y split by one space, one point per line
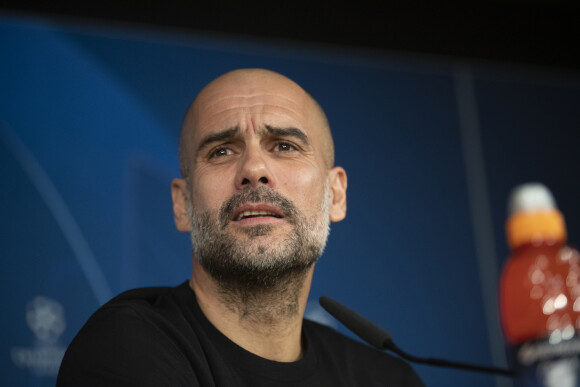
540 292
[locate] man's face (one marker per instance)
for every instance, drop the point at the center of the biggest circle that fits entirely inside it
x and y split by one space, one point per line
258 183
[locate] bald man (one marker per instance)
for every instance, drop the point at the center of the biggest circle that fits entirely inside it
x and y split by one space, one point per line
258 191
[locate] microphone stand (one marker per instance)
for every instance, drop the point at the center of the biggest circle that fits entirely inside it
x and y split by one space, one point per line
381 339
447 363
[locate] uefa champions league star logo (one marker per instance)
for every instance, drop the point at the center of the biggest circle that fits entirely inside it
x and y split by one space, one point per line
45 317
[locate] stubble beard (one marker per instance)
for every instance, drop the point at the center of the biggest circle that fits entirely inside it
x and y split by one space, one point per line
251 275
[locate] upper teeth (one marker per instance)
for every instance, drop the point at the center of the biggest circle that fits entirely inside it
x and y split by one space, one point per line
245 214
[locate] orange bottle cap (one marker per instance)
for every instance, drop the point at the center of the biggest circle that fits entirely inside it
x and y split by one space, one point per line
525 227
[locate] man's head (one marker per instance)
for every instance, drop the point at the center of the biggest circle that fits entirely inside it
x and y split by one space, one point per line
254 78
259 185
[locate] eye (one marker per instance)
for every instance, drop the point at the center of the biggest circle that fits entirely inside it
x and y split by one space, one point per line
220 152
285 147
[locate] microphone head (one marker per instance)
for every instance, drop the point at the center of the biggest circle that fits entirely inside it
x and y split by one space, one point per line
363 328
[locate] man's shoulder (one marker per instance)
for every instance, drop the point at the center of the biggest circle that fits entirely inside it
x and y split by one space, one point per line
147 294
356 359
137 298
138 310
135 302
124 336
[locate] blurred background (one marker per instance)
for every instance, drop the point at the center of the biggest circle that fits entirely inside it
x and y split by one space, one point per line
437 111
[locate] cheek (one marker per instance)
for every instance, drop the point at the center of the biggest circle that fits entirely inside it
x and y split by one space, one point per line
306 189
208 192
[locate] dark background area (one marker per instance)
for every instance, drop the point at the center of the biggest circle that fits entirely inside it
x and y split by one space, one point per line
542 33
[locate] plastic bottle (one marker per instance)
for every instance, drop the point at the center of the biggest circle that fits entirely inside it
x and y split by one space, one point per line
540 292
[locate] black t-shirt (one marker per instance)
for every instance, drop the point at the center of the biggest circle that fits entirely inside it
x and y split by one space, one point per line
160 337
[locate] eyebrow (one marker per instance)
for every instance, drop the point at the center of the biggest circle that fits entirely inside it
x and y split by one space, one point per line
288 132
219 136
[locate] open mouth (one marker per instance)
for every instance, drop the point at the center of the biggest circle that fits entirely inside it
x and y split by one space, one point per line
256 214
257 210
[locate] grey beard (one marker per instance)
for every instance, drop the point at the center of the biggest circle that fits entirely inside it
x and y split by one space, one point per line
246 271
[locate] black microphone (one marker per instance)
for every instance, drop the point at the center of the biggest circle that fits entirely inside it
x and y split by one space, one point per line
381 339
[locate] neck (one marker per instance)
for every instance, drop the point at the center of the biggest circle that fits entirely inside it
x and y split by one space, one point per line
264 321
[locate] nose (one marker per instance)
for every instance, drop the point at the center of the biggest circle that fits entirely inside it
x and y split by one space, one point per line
253 170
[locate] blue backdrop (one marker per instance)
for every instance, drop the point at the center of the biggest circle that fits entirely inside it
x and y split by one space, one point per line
89 122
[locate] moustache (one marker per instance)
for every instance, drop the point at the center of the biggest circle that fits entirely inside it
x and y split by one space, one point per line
257 195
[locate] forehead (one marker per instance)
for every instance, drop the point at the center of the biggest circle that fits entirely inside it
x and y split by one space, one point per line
246 104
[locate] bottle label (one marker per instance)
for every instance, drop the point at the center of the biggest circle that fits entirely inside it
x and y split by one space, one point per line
543 363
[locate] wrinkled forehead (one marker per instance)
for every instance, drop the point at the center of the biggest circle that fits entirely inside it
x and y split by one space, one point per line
245 104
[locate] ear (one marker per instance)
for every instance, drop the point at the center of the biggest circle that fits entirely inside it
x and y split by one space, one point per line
337 180
179 196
